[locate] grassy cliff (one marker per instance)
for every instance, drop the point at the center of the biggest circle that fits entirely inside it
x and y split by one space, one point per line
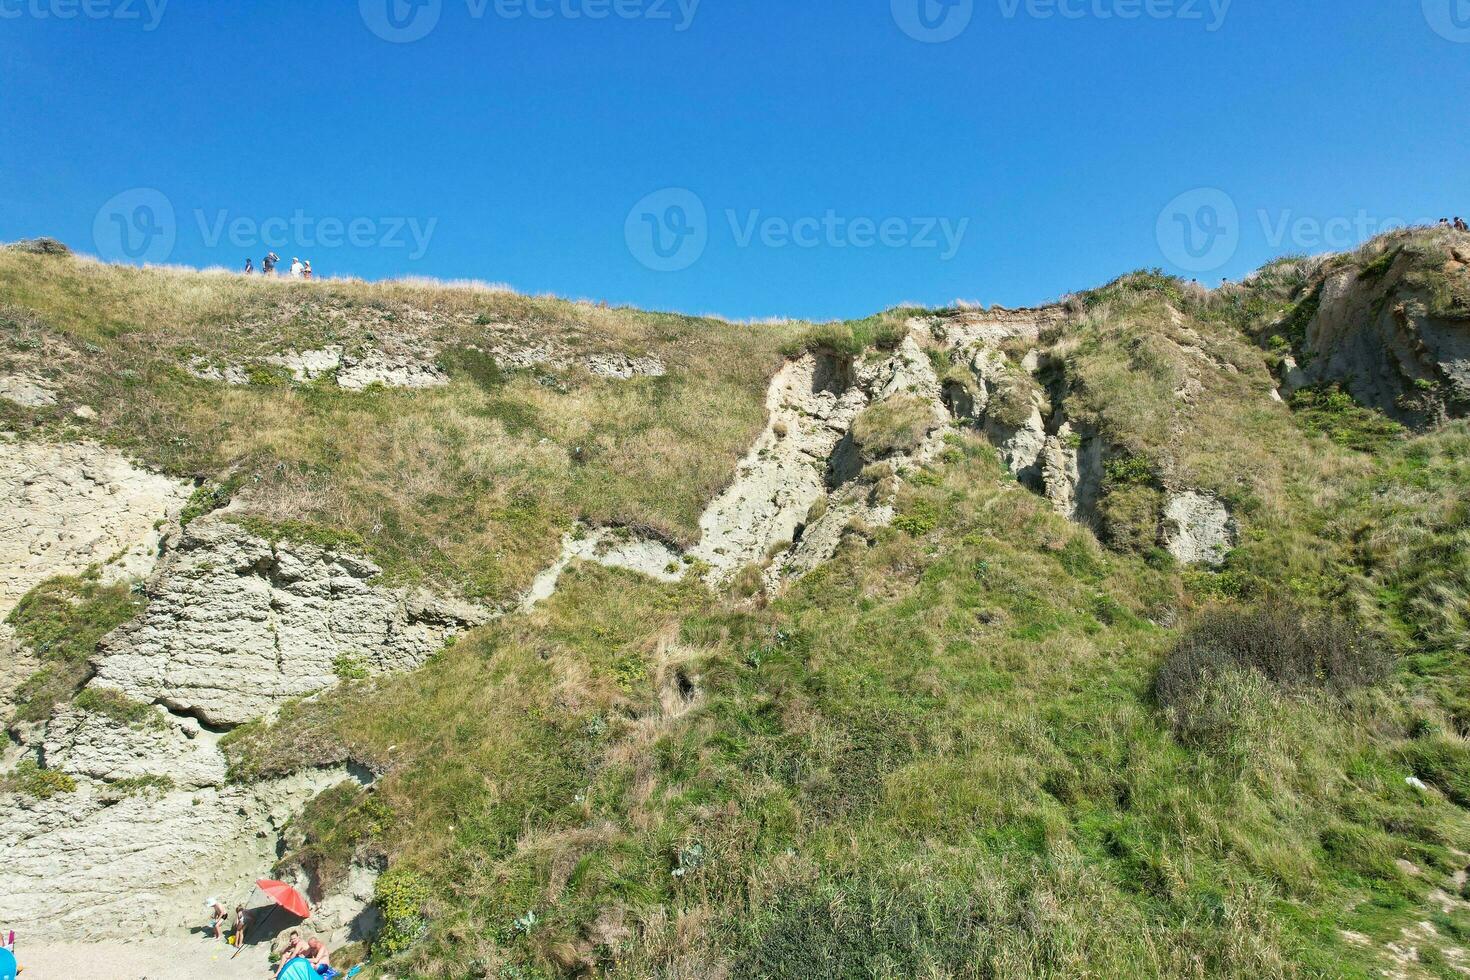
947 752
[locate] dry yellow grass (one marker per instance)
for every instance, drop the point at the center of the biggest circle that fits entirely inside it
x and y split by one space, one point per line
471 484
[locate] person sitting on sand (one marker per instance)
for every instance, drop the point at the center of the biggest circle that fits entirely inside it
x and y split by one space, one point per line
317 952
1460 224
295 946
9 968
218 917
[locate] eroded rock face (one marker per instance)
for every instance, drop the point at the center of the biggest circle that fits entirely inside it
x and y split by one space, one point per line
1378 340
26 391
811 406
374 368
66 507
1198 529
237 624
97 747
1072 472
97 864
606 547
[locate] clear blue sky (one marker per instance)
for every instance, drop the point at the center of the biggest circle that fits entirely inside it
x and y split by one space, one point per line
520 145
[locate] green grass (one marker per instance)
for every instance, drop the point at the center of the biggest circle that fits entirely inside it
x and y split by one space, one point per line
62 620
502 461
941 754
1332 412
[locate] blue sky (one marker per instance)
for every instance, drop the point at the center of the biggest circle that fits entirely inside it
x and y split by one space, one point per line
817 158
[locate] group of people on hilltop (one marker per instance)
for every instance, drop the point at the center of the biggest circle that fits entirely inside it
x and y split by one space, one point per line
1458 224
298 268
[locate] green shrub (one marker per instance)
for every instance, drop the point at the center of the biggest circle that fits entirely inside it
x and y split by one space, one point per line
1331 412
1444 763
349 667
151 784
478 366
63 620
1292 649
119 707
400 896
895 425
1130 515
921 518
30 779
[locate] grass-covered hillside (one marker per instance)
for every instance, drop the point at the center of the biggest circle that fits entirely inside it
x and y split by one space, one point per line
986 741
469 485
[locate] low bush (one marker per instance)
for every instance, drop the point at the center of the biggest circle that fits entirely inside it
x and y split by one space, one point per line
30 779
400 896
1332 412
119 707
896 425
1294 650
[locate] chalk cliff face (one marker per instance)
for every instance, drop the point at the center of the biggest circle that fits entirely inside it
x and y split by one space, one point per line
237 624
69 506
234 625
240 618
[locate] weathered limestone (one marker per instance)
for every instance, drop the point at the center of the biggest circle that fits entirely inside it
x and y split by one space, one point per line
97 747
610 548
92 865
375 368
67 507
237 624
1198 528
812 403
28 392
1378 340
1072 472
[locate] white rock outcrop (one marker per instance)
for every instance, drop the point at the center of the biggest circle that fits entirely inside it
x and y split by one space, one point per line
612 549
236 624
811 405
67 507
99 864
97 747
1198 528
376 368
28 392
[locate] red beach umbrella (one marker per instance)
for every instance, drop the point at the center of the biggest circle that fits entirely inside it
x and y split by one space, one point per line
285 896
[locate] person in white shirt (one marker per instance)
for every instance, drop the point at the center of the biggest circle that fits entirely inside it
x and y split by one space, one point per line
296 268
